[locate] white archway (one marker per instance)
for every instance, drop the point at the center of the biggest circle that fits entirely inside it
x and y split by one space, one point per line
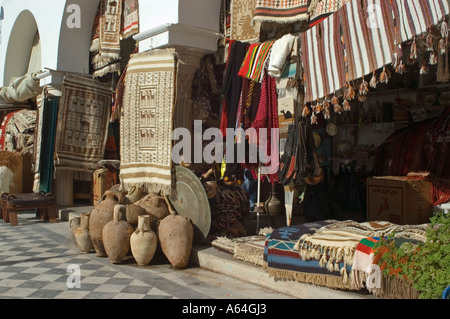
20 45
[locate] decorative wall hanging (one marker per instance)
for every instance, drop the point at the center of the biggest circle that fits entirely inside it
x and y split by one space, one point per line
147 121
130 20
82 123
281 11
242 26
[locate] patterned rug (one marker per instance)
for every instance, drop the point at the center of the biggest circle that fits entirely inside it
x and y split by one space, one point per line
107 30
82 123
147 122
242 26
249 248
130 21
281 11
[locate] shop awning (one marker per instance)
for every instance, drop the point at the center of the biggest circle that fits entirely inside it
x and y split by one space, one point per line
361 37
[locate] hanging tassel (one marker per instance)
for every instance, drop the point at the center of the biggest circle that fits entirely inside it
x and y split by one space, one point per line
413 54
429 41
384 77
442 47
335 100
326 113
349 92
306 111
401 68
444 30
314 119
346 106
373 82
318 108
424 69
433 58
326 104
364 88
338 109
362 98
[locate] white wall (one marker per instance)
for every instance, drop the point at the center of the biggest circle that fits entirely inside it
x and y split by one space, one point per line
62 48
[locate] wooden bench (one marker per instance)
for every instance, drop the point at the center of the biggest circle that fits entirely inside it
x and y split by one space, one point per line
44 203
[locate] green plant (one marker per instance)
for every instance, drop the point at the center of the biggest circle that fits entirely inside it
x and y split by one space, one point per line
425 265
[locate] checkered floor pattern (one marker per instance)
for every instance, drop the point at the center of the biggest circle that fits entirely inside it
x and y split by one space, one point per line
34 263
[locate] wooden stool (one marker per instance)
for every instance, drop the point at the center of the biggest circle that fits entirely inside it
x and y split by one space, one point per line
14 203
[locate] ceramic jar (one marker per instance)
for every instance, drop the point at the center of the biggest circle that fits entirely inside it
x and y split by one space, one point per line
74 223
176 234
133 195
82 236
155 205
100 216
116 236
143 241
132 212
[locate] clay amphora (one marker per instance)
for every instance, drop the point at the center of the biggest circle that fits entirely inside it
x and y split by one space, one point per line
116 236
176 234
133 212
154 205
82 236
143 241
74 223
133 195
100 216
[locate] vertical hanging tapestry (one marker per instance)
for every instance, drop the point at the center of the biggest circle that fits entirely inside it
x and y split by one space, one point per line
106 32
286 11
82 123
147 121
130 22
243 27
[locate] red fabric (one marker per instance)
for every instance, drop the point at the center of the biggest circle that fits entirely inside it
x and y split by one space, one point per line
3 129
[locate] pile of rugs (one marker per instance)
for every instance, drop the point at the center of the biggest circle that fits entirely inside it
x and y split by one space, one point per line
329 253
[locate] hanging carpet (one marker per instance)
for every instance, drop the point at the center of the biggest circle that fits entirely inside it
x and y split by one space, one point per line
281 11
82 123
147 121
130 23
242 26
106 38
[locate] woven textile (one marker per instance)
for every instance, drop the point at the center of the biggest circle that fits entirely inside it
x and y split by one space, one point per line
284 11
254 61
242 26
107 30
82 123
147 121
323 9
282 260
249 248
130 19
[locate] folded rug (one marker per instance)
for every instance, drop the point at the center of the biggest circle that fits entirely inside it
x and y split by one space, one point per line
147 121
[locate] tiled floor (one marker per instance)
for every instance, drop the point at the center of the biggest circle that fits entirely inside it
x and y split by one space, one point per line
35 256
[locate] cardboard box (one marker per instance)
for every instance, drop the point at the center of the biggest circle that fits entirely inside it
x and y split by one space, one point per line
399 200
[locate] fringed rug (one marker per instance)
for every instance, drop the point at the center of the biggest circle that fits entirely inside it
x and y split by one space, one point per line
242 26
147 121
107 32
283 261
82 123
249 248
130 23
281 11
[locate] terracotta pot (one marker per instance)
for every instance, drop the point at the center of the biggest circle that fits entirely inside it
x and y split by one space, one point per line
133 212
155 205
74 223
100 216
82 236
133 195
176 234
116 236
143 241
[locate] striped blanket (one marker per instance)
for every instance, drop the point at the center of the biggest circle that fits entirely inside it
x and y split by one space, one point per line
368 41
254 61
283 261
286 11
